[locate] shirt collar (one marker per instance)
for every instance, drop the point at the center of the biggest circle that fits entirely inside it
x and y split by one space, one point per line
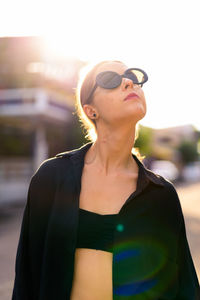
145 175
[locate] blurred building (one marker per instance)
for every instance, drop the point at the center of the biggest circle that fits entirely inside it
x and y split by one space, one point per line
27 116
36 105
166 140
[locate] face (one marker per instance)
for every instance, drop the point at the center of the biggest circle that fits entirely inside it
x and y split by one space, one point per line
109 104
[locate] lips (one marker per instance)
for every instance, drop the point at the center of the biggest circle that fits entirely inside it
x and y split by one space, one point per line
132 95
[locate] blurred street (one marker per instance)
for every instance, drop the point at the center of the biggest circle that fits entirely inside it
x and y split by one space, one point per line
11 218
48 71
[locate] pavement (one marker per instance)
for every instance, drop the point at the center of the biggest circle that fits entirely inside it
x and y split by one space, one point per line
10 225
189 196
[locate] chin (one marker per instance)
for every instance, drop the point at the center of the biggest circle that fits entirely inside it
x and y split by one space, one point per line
140 111
139 115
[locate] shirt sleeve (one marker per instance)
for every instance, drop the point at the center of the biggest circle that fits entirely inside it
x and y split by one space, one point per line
22 286
189 288
28 263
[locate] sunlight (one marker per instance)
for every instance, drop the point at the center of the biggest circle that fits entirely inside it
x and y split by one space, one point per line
56 46
94 31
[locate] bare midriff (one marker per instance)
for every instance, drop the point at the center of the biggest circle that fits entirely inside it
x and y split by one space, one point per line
93 278
92 275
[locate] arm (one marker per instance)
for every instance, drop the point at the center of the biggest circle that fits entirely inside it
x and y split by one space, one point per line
22 284
32 235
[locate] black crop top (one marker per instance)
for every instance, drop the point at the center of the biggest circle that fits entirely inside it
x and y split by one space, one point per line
95 231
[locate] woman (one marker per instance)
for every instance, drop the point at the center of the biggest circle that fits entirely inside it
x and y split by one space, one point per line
97 223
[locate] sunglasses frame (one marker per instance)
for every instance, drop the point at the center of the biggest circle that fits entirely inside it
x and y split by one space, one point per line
120 76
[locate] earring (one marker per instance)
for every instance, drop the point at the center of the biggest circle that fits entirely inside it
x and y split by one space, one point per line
94 115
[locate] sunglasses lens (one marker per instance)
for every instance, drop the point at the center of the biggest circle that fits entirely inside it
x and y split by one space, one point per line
108 79
137 76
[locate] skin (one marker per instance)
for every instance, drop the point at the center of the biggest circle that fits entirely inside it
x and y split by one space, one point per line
110 165
116 121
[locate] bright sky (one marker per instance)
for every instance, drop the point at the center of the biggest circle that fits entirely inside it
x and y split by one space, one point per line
161 37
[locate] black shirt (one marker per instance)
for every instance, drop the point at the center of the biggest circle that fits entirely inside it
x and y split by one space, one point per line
151 255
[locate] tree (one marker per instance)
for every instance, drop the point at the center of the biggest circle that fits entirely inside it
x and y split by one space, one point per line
188 151
144 140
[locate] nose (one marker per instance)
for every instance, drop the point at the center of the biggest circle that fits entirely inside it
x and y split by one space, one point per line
126 82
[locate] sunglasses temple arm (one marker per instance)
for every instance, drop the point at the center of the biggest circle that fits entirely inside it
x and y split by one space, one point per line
92 91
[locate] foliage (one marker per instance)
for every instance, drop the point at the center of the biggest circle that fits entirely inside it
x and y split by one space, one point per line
188 151
143 142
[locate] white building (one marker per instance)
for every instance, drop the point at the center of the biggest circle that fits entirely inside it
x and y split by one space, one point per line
30 109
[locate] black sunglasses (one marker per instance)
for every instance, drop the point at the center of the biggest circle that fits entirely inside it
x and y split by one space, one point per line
111 80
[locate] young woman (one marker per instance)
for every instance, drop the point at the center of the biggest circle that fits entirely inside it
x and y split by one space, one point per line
99 225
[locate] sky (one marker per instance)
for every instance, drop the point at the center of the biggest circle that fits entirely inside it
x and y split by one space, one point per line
160 37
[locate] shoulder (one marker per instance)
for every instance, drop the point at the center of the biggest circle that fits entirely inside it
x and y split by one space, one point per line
52 168
169 187
170 196
166 202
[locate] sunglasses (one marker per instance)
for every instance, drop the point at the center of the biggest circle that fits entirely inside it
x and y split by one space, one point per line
111 80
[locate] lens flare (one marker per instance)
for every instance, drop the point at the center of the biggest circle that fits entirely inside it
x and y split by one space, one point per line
141 267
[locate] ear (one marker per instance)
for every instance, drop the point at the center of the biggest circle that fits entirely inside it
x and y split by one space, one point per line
89 110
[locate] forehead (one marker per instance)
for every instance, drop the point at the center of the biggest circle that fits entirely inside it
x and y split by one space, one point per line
112 66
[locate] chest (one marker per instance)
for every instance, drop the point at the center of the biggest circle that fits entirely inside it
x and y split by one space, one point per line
105 194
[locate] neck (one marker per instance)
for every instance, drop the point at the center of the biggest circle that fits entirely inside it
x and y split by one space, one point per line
111 152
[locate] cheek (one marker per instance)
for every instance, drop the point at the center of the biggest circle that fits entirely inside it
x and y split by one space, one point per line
109 99
103 104
109 105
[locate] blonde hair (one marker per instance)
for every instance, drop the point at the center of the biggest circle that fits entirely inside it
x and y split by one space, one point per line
85 84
